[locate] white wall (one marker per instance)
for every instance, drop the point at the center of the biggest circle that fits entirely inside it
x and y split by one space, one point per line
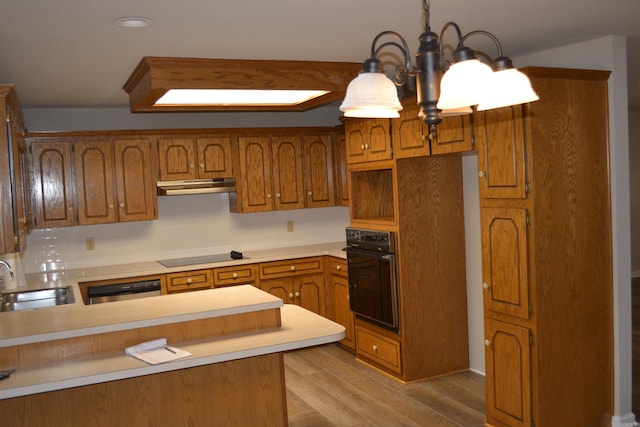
609 53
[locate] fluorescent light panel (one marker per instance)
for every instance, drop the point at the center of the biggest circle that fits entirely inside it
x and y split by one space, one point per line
237 97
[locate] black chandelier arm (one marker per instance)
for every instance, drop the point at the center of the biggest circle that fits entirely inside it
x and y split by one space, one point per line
458 32
402 72
499 63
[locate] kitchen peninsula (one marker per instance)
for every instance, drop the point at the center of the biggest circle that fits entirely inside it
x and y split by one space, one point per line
71 368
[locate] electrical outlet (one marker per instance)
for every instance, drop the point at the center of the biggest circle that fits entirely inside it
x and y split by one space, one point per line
290 226
91 243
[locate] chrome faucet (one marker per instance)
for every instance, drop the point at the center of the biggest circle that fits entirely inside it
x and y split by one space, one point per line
8 268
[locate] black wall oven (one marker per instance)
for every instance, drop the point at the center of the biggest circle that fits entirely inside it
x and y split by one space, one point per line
373 288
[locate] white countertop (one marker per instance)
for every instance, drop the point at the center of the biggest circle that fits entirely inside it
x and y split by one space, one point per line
300 328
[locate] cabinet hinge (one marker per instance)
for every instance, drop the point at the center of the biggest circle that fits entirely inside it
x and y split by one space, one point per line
8 116
531 340
528 219
527 188
530 309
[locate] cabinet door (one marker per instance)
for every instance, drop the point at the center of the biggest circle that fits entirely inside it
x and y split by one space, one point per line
508 380
378 134
318 171
136 191
288 176
95 182
453 135
177 158
255 170
53 184
308 292
340 311
355 133
409 133
281 288
22 214
504 261
214 157
499 136
341 172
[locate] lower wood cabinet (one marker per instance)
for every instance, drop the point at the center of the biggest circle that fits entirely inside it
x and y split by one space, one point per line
235 275
377 348
340 311
189 281
508 376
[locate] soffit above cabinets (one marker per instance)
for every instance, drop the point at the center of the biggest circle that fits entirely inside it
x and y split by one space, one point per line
155 76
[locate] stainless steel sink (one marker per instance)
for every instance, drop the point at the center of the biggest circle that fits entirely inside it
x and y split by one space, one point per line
38 298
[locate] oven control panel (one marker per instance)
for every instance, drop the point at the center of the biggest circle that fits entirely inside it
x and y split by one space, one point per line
381 241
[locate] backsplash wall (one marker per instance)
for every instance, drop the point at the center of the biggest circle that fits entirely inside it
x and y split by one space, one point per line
187 226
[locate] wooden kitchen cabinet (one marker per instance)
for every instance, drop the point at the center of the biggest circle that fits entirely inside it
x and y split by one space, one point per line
340 311
15 212
547 254
340 168
297 281
194 157
235 275
135 184
288 172
367 140
256 182
188 281
53 184
411 136
318 170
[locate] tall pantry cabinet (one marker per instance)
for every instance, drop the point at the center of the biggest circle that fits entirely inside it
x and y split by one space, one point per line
546 253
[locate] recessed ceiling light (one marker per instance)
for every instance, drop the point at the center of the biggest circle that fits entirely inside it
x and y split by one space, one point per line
133 22
237 97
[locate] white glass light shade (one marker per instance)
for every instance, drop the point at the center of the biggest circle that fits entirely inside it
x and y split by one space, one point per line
505 88
371 95
462 85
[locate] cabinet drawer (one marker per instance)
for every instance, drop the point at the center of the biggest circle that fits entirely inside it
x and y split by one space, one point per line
236 275
293 267
189 280
338 267
378 348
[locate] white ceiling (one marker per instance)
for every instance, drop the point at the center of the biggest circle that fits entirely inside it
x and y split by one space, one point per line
69 53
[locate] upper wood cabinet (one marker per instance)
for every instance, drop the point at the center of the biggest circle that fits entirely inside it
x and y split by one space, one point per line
318 171
193 157
53 184
135 185
368 140
499 136
341 172
288 173
81 181
15 212
284 171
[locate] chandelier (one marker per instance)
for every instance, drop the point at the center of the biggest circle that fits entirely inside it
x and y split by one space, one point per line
441 88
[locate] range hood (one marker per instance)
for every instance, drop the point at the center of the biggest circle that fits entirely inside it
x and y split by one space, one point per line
196 186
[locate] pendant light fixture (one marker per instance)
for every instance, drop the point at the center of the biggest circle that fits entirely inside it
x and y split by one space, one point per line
467 82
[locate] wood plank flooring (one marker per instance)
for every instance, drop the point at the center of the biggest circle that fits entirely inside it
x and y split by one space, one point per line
326 386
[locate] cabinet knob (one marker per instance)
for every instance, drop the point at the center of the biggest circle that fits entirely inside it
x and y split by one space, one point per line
366 146
297 294
269 196
375 348
189 281
362 146
480 174
310 193
235 275
292 268
278 195
192 166
201 165
110 205
122 204
487 343
338 267
485 286
291 295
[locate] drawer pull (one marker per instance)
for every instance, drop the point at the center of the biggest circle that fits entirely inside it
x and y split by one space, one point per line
292 268
375 348
235 275
189 281
339 267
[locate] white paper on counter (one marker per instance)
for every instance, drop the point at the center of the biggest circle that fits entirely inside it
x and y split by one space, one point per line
156 351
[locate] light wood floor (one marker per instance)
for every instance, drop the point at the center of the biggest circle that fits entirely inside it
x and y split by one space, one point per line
326 386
